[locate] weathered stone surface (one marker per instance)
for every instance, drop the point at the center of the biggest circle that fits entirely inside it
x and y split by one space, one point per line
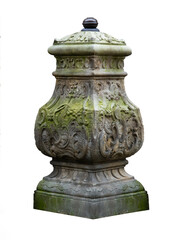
91 208
91 191
89 120
89 127
89 43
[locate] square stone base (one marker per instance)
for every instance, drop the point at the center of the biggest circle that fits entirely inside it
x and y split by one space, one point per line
89 207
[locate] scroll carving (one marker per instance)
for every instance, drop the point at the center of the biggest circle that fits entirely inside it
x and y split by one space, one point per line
69 143
120 138
90 63
65 125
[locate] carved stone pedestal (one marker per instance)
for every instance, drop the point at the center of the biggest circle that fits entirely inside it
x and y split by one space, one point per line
89 127
90 191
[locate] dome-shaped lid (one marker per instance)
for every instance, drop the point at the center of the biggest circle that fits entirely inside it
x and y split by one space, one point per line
90 41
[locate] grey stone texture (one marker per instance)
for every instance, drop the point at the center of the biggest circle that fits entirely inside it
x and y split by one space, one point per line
89 127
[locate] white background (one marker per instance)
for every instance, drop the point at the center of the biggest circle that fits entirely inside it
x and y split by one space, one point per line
152 30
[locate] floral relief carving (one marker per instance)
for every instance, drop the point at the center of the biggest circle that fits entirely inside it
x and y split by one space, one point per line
89 37
64 126
72 89
120 138
110 89
90 63
69 143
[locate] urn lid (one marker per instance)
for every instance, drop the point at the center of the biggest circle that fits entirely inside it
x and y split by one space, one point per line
89 41
89 53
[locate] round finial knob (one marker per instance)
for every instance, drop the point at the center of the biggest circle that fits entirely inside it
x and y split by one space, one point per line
90 24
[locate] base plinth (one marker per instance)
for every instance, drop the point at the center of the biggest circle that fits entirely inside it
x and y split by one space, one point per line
90 192
91 208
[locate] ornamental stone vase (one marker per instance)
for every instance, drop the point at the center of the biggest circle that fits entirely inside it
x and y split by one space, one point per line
89 127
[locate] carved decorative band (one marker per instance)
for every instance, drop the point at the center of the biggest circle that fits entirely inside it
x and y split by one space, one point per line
88 176
90 63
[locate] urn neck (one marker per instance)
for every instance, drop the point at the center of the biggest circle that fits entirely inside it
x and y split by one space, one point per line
90 66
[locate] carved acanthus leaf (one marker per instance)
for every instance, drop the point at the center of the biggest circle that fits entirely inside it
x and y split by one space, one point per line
89 37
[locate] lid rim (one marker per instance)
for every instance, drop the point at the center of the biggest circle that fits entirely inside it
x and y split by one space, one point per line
90 49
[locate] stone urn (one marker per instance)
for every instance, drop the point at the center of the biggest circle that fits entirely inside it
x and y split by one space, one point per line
89 127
